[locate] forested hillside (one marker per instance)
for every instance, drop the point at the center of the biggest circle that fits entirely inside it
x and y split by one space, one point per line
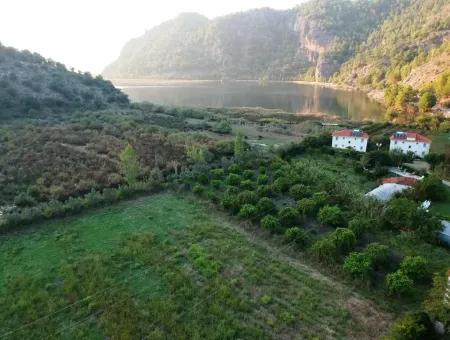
33 85
406 40
310 41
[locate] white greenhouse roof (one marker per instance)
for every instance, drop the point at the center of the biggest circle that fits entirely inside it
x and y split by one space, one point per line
386 191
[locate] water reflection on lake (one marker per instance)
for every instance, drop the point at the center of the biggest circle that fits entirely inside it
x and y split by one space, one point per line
290 97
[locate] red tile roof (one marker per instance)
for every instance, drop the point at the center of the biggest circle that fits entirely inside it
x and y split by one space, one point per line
400 180
349 133
412 137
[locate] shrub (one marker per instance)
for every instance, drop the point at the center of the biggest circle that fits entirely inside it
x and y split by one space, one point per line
262 179
287 216
297 236
430 188
320 198
359 225
24 200
265 205
415 267
306 207
399 283
248 211
216 184
325 249
299 191
433 303
331 215
264 190
247 184
232 189
281 184
198 189
344 239
248 174
231 202
358 265
413 326
271 223
247 197
378 253
234 168
233 179
203 179
217 173
212 196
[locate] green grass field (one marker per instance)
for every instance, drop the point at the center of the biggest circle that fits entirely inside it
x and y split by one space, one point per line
441 141
167 267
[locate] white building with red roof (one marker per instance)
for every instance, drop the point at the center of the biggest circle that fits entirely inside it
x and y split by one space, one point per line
410 142
350 139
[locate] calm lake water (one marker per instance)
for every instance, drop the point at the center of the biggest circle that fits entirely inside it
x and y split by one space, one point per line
290 97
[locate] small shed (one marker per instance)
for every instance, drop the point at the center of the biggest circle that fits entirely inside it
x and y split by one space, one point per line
445 233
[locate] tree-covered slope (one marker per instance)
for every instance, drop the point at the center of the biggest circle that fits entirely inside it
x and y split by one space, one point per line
307 42
402 43
33 85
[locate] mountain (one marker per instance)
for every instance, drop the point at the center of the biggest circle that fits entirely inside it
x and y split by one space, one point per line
33 85
310 41
411 47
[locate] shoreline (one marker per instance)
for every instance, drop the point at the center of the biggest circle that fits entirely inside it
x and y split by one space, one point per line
148 82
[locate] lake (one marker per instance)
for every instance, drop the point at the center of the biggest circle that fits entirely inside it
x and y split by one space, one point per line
286 96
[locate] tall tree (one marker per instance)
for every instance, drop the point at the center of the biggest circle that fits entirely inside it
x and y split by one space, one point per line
129 164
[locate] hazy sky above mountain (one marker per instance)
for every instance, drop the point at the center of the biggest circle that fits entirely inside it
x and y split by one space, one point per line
88 34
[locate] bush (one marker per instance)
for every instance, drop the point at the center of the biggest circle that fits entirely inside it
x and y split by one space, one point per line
216 184
378 253
248 211
297 236
247 197
430 188
247 184
358 265
320 198
414 326
248 174
415 267
331 215
359 225
287 216
198 189
399 283
262 179
217 173
265 205
345 239
231 202
234 169
281 185
325 250
306 207
233 179
264 190
271 223
299 191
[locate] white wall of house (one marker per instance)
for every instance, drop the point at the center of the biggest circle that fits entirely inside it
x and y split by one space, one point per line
420 149
355 143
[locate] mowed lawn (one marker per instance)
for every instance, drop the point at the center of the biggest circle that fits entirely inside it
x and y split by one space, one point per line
167 267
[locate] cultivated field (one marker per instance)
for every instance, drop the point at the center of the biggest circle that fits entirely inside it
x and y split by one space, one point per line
166 267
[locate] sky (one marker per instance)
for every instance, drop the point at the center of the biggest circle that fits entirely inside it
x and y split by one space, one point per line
89 34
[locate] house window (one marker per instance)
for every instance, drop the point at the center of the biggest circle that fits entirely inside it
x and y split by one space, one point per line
409 147
349 141
395 142
424 145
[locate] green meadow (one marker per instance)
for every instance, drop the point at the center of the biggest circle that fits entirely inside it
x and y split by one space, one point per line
167 267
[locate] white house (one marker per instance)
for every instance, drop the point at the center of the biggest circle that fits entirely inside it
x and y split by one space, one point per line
350 139
410 142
